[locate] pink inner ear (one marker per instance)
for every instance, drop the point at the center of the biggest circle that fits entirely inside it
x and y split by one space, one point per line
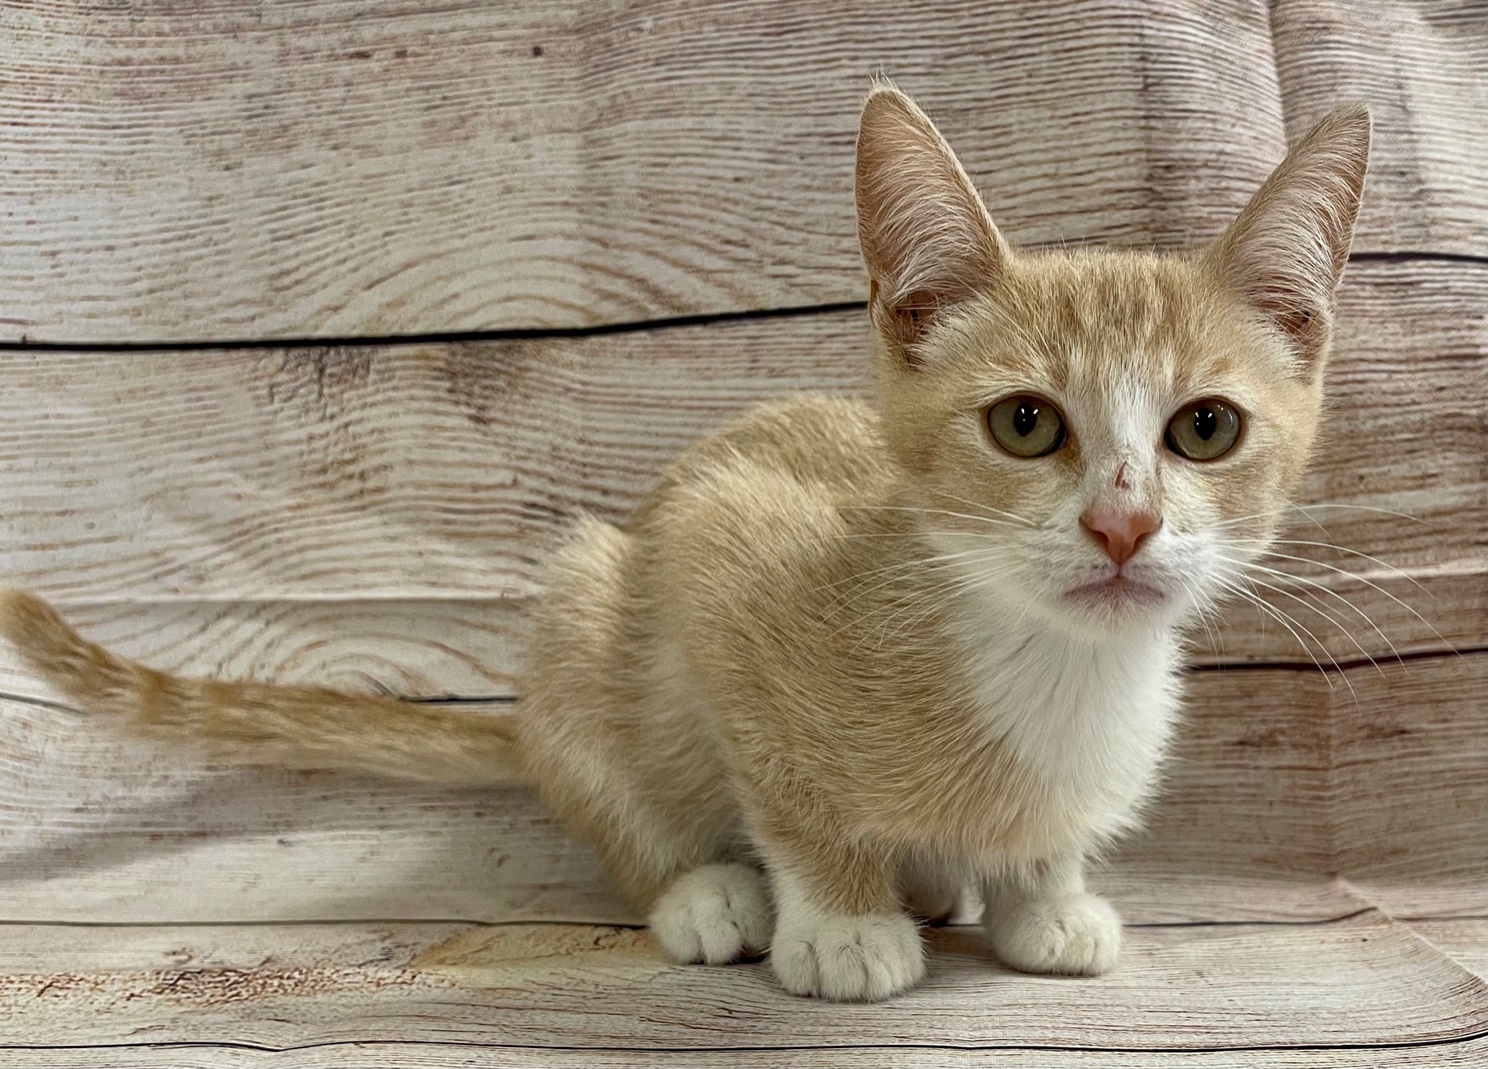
912 316
1306 326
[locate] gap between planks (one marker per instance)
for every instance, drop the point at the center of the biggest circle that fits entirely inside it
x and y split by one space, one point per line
1303 922
598 330
1337 667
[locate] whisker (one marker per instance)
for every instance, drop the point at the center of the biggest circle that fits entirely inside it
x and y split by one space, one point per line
1325 615
960 585
899 569
858 593
905 605
908 598
1358 508
910 562
1373 586
1305 509
933 512
988 508
1279 574
1281 618
988 535
1328 545
1205 614
936 596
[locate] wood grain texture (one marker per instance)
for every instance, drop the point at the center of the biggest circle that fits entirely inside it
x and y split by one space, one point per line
1467 1054
379 513
1463 939
426 647
1409 772
1261 809
1419 64
330 168
1368 981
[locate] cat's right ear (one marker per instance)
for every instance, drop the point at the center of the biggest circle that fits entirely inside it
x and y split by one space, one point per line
1287 250
927 239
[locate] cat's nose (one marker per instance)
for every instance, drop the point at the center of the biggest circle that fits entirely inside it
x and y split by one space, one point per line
1120 534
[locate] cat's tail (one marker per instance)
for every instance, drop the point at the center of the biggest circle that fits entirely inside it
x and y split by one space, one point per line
261 723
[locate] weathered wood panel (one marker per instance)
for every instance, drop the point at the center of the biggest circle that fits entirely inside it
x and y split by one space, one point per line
1409 770
1247 826
1467 1054
427 646
1464 940
334 168
1368 982
375 513
1420 65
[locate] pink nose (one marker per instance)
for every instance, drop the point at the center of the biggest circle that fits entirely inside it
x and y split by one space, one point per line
1119 534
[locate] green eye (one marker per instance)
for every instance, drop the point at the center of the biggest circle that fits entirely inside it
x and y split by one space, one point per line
1026 426
1204 430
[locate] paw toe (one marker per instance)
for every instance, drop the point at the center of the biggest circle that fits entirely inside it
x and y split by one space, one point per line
849 959
715 915
1079 935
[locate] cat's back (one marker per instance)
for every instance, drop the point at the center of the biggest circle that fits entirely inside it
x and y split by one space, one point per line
827 447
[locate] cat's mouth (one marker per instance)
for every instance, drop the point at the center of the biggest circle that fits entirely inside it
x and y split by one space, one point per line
1116 592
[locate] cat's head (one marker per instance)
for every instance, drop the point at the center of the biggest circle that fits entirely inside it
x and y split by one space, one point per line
1100 437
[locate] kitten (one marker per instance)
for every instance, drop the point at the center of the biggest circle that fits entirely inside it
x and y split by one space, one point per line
848 659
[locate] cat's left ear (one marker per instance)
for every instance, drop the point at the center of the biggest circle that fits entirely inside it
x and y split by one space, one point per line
927 239
1286 251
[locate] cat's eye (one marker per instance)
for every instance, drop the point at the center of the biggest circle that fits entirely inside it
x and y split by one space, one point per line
1026 426
1204 430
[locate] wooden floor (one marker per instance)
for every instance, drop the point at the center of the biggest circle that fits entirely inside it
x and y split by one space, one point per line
320 320
448 993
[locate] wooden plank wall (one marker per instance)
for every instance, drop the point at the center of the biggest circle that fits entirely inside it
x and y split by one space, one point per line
319 320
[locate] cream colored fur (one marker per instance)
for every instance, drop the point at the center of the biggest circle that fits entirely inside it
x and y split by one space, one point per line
834 668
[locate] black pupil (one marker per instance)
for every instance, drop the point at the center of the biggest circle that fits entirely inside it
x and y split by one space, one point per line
1025 419
1205 422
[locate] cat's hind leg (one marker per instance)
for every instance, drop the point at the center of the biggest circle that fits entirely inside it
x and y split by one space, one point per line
614 737
671 854
668 843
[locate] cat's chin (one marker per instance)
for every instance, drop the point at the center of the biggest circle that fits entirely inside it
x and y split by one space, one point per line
1118 593
1118 602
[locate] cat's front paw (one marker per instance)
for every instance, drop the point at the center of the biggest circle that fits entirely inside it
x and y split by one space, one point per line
848 958
1077 935
714 914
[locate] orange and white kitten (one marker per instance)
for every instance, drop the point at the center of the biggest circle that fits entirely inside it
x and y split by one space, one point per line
851 659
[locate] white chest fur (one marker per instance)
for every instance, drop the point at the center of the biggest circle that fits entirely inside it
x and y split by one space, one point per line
1088 721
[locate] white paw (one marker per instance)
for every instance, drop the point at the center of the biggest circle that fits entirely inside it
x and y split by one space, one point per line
1079 935
714 914
846 958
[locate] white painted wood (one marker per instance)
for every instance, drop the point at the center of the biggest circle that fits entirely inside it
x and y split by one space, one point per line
1464 940
1468 1054
1359 981
322 168
1419 64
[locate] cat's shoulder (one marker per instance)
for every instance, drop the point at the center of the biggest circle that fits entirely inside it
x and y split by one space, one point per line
764 495
828 448
811 436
